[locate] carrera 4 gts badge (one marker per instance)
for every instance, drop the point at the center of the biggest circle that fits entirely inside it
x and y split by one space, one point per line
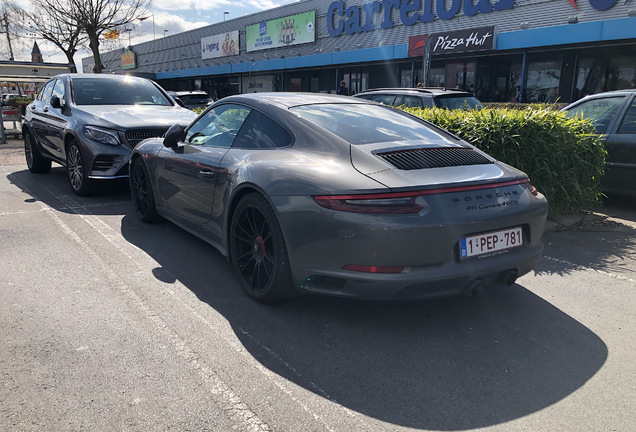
478 201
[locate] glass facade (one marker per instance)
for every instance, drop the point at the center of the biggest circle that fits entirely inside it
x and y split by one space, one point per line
562 75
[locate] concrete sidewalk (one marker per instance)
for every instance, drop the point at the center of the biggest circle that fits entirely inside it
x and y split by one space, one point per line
12 153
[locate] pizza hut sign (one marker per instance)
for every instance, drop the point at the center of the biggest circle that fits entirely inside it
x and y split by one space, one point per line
463 40
480 38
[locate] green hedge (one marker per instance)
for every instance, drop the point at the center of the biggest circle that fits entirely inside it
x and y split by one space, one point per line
521 106
563 157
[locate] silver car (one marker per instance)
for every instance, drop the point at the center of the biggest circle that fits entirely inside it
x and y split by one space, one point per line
90 123
340 196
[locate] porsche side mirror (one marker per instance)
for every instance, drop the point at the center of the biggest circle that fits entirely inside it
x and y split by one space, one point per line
175 134
179 102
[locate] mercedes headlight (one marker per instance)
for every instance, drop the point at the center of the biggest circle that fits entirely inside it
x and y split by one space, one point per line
102 135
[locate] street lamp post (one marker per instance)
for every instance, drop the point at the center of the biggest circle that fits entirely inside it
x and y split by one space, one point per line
127 30
164 33
225 13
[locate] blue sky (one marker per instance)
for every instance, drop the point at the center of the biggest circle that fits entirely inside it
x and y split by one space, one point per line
175 16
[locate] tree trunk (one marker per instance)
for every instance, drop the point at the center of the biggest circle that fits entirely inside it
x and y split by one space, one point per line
5 24
69 58
94 46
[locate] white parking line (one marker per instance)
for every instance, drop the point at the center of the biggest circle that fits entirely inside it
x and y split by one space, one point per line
218 387
235 408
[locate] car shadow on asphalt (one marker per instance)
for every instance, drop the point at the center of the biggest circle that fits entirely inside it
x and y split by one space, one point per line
53 189
447 364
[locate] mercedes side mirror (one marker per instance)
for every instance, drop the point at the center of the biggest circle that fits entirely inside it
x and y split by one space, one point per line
55 102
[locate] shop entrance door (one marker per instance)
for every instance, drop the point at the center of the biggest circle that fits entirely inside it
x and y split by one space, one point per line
357 81
460 74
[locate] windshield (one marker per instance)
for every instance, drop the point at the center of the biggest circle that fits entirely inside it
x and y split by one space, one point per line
458 102
363 124
117 91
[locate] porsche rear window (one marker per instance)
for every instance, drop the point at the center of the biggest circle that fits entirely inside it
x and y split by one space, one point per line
364 124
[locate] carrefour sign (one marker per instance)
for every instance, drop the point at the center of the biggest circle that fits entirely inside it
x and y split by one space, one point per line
359 19
349 21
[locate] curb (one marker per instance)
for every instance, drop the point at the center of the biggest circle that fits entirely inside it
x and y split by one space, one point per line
573 221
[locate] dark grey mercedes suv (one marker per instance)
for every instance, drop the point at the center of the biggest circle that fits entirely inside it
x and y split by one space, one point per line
90 123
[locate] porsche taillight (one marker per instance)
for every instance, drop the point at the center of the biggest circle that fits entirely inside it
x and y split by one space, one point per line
400 202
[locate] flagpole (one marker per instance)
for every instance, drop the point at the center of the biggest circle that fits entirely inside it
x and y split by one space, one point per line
154 35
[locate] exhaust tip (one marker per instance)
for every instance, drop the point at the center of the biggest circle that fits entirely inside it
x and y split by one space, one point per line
508 277
473 288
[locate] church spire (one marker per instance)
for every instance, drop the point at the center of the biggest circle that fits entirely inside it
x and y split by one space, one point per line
36 55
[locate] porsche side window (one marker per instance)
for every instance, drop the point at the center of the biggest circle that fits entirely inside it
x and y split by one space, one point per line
599 111
218 127
261 132
628 126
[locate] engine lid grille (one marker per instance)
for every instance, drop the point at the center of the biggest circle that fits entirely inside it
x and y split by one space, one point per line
135 136
438 157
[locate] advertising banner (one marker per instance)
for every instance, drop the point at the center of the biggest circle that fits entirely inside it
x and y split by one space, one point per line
258 84
128 60
291 30
221 45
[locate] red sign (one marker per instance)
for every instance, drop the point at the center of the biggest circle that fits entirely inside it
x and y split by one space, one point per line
416 45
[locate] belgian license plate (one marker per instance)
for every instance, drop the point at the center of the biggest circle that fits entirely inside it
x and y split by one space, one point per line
490 242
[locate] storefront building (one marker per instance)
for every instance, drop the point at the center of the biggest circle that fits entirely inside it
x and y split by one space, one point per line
524 50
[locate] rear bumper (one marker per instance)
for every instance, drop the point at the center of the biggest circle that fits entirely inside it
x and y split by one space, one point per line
321 242
422 283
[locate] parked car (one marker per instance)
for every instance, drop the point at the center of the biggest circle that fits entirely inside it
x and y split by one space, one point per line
90 123
614 117
193 99
340 196
7 96
427 97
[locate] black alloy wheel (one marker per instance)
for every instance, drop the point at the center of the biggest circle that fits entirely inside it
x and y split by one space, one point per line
141 192
76 170
258 251
35 161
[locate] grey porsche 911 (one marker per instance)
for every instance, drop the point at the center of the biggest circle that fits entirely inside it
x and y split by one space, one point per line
340 196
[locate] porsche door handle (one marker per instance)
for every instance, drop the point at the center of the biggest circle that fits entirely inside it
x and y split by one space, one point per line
206 173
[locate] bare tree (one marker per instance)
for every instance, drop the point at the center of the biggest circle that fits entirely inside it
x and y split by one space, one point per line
95 17
10 15
49 19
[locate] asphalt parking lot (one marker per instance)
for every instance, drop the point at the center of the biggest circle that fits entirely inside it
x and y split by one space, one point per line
110 324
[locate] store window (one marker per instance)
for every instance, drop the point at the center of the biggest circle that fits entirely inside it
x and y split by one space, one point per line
542 84
460 74
405 78
613 70
437 77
